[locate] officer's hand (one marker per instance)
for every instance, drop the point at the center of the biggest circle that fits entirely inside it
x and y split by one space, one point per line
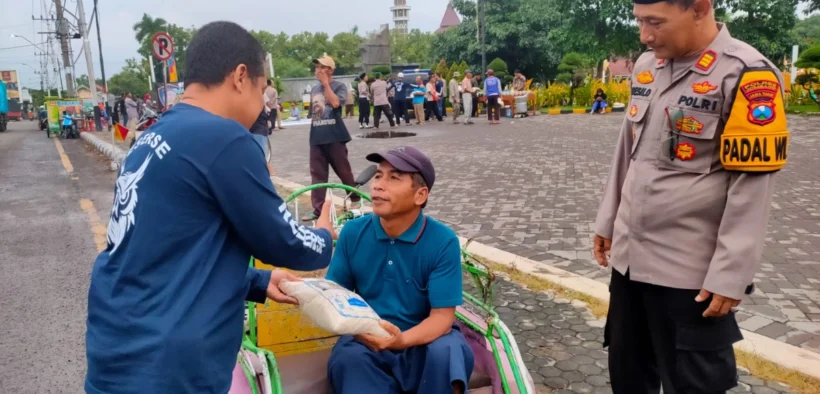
719 306
324 219
601 247
276 294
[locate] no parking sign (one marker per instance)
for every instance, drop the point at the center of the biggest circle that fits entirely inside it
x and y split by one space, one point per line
163 46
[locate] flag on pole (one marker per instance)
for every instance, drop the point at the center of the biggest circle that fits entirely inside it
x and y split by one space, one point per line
120 132
172 69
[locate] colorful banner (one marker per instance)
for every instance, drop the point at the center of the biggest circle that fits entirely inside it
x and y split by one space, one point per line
172 69
10 77
174 96
55 108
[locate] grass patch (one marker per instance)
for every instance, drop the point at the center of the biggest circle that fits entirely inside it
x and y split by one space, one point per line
597 306
767 370
802 109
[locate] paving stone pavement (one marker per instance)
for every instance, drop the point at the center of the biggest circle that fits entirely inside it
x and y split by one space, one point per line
561 343
532 187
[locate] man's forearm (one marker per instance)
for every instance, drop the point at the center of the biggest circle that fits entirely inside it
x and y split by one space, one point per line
430 329
331 96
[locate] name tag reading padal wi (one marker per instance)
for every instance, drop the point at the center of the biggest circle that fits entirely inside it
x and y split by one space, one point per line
756 138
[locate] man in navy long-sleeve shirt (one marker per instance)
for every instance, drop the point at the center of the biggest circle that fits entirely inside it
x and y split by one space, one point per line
193 202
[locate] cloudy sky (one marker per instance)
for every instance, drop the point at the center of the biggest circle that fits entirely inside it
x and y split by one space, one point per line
118 17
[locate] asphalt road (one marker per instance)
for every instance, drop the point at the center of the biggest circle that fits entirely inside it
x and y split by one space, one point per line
49 206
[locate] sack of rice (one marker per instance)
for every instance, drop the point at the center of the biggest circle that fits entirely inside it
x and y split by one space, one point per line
334 308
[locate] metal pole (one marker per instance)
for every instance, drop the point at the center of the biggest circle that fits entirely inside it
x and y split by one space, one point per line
92 80
99 44
483 24
165 77
62 32
151 73
793 70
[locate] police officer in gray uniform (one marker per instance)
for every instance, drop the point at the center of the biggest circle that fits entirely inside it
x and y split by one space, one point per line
684 212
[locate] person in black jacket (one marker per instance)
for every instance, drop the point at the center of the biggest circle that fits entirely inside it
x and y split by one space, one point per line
119 108
401 100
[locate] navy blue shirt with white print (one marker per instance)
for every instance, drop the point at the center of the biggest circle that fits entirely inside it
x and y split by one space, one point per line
193 201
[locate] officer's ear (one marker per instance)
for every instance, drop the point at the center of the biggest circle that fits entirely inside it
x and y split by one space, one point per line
702 9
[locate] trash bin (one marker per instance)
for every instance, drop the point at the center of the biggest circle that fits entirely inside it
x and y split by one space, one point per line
521 104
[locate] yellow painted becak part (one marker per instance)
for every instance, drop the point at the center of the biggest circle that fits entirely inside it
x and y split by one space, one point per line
284 330
756 138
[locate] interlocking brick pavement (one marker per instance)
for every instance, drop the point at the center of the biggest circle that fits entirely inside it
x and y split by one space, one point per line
532 187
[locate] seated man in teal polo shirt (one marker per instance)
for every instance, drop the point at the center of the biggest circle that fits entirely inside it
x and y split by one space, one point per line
407 266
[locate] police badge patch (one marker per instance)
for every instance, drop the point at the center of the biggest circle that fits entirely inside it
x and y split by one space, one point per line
685 151
761 94
689 125
645 78
703 87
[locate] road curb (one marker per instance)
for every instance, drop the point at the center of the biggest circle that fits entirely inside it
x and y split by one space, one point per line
114 153
780 353
578 111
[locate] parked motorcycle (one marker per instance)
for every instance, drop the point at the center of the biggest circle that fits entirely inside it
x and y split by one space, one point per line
149 117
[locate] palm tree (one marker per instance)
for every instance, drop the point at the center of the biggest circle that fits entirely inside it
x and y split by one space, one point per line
144 31
146 28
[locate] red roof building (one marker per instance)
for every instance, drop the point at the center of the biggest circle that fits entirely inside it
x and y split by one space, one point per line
450 19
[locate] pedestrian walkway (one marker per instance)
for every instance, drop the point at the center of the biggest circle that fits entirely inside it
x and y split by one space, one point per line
561 340
532 187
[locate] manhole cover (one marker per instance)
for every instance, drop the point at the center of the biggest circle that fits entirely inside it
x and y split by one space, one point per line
387 134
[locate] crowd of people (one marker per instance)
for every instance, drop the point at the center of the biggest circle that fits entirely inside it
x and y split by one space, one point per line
425 96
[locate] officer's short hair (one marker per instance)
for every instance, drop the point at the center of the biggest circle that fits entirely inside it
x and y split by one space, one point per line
217 49
685 4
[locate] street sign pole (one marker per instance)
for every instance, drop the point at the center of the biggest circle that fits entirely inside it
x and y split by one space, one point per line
165 76
163 47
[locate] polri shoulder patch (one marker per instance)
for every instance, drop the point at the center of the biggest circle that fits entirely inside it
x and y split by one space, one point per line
756 137
707 59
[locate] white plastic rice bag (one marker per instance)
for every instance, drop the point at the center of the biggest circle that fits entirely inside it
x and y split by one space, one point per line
334 308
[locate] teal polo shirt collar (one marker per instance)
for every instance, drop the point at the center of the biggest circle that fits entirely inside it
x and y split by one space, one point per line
411 235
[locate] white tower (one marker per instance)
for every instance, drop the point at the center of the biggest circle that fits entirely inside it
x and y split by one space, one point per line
401 15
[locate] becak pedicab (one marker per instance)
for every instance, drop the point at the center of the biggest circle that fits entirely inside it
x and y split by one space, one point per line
284 352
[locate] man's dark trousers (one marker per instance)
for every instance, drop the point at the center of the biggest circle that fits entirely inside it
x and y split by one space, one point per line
377 114
431 107
657 336
400 110
364 111
335 156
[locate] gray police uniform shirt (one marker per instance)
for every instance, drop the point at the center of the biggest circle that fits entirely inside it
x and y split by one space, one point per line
676 217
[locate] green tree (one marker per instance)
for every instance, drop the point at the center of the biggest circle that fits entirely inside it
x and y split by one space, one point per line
82 80
517 30
144 31
812 5
133 78
413 48
574 67
807 32
291 68
345 50
599 28
499 68
442 69
764 24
